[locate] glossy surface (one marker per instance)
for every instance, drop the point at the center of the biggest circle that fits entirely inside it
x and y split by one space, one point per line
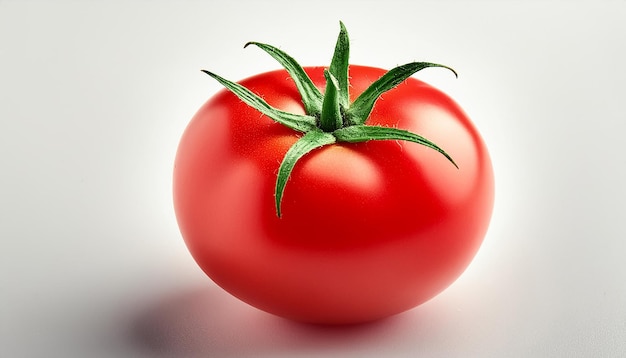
368 230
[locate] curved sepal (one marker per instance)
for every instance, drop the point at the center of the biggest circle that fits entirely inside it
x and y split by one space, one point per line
364 133
311 96
362 106
294 121
310 141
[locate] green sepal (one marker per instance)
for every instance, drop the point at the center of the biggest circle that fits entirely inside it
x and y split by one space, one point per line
339 65
308 142
311 96
364 133
301 123
330 117
362 105
331 112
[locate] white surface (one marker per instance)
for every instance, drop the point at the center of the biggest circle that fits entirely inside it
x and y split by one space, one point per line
95 95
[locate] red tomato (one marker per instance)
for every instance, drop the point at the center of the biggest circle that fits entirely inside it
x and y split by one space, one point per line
367 230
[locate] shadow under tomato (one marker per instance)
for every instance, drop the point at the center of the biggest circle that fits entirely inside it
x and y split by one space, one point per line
207 322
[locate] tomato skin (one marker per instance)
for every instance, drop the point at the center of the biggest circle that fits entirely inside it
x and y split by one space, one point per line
368 230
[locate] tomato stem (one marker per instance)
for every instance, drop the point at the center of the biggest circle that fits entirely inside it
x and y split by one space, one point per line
330 118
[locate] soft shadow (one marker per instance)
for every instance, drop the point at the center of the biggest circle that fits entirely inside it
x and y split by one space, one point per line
207 322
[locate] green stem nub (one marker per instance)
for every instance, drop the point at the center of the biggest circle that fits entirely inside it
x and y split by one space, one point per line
331 120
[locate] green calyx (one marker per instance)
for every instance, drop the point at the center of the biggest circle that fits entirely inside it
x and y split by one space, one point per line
330 117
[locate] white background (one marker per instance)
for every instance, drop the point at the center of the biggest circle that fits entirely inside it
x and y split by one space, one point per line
94 97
